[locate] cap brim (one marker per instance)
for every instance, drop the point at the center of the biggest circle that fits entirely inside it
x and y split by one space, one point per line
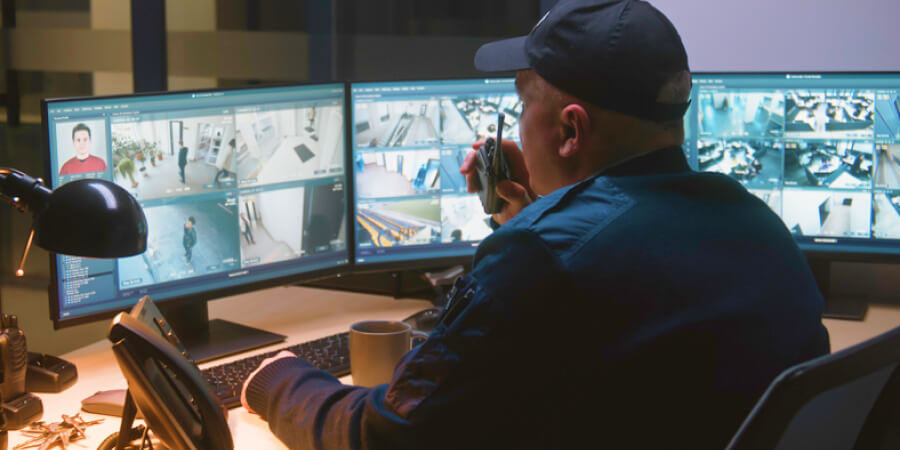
507 55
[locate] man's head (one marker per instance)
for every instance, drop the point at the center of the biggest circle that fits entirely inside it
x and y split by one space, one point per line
601 81
190 222
81 140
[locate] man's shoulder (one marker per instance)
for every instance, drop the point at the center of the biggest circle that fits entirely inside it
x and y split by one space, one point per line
570 216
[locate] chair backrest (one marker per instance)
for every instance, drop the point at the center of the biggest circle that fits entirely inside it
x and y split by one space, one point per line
849 400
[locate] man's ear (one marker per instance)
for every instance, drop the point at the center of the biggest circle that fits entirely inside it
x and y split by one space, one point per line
575 124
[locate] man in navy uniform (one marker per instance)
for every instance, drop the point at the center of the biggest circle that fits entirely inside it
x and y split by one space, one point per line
625 301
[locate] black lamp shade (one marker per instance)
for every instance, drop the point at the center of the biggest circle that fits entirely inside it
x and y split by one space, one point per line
93 218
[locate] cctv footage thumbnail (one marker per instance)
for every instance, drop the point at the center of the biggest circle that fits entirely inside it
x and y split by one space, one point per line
399 223
269 221
468 118
817 212
831 114
185 240
172 157
829 164
754 163
741 114
403 123
277 146
397 173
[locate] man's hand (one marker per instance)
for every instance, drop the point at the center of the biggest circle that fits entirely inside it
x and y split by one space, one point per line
264 363
517 194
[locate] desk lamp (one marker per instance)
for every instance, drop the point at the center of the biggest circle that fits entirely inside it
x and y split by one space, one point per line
89 217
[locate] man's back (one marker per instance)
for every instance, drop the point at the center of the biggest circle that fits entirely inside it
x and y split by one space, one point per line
684 298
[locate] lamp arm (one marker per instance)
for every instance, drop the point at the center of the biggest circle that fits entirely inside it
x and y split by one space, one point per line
22 191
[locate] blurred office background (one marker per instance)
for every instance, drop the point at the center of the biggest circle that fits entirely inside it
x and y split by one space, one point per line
62 48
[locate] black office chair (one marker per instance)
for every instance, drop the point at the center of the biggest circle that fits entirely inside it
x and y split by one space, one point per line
846 400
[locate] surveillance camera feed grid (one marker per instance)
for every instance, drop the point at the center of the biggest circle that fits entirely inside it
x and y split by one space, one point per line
399 223
185 240
288 145
741 114
827 213
828 164
466 119
397 173
831 114
403 123
754 163
887 116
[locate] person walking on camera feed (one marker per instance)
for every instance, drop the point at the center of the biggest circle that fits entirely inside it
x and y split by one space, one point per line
623 301
83 161
190 238
182 159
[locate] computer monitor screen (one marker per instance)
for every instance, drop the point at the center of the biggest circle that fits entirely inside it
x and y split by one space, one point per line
822 150
239 187
409 139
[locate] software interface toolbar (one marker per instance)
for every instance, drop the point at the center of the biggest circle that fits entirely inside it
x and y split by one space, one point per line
409 139
237 186
822 150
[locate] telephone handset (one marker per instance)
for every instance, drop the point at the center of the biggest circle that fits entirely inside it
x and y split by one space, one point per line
169 390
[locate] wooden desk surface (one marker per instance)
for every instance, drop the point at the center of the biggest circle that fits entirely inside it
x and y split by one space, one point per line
304 314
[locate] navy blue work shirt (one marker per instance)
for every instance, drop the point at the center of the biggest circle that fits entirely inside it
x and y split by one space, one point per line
648 306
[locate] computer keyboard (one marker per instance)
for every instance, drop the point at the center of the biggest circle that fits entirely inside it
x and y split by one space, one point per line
331 353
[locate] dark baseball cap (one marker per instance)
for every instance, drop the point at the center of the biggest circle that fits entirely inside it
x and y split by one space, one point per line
616 54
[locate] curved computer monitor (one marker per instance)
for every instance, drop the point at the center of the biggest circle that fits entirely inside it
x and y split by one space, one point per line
242 188
408 138
821 149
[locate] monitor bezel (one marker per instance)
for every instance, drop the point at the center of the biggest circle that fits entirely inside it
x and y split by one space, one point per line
203 296
414 263
816 253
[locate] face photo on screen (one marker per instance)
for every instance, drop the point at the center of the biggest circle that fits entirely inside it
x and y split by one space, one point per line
282 145
175 156
81 147
741 114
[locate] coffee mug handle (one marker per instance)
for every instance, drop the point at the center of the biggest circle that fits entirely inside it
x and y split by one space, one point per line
417 334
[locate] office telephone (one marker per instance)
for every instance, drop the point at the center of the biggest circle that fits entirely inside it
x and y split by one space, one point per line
169 390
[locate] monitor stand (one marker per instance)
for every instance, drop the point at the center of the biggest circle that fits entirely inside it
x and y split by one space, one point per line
837 306
205 339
